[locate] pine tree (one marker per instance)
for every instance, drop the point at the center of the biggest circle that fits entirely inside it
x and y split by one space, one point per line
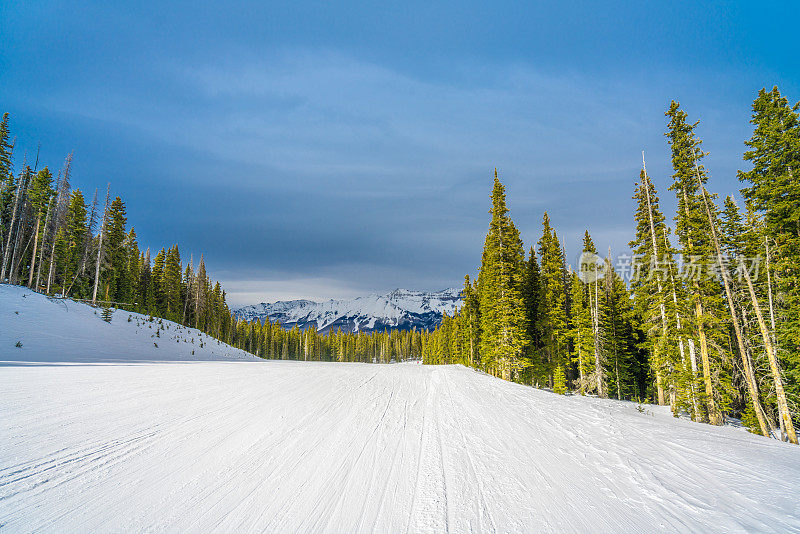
189 292
13 207
582 335
17 228
592 275
201 300
71 241
552 315
470 316
116 253
694 234
171 283
531 295
40 196
656 300
133 268
6 147
774 191
7 182
155 291
618 341
143 285
559 380
502 312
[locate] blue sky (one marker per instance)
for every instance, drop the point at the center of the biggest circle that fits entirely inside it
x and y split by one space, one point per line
319 150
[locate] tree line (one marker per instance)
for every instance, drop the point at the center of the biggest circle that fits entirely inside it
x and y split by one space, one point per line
708 321
271 340
55 242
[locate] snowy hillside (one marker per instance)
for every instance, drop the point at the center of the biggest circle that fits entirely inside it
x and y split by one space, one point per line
52 330
113 444
400 309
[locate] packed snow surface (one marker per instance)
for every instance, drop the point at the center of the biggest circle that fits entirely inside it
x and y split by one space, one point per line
399 309
283 446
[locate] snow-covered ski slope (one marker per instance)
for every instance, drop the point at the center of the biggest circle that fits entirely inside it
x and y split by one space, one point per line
54 330
280 446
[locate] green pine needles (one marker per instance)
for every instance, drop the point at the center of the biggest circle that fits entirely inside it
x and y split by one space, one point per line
503 335
707 320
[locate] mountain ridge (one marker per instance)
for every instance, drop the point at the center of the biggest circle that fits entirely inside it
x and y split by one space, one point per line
400 309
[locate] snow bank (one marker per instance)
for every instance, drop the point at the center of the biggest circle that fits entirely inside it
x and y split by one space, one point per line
51 330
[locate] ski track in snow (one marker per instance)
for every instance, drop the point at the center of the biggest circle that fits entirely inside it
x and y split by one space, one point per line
284 446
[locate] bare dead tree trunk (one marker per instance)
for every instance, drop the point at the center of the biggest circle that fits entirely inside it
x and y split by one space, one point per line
769 290
35 247
714 417
580 362
100 248
752 386
19 250
780 393
189 285
17 259
44 242
692 355
598 367
63 192
50 270
7 249
646 185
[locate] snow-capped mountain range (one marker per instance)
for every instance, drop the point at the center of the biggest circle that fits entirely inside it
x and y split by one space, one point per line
399 310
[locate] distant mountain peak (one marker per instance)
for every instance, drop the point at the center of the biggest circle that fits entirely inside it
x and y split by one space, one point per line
400 309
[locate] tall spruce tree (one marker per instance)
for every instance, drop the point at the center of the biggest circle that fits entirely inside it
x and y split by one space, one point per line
116 253
70 242
531 294
156 302
773 189
618 338
171 283
650 286
694 235
582 335
593 278
554 327
470 316
7 182
502 310
6 147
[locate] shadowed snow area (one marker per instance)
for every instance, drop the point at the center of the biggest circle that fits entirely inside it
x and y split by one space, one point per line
282 446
